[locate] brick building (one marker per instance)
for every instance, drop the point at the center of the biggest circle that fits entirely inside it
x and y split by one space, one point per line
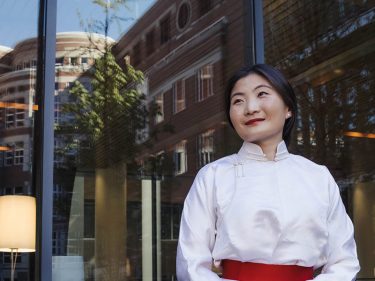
187 50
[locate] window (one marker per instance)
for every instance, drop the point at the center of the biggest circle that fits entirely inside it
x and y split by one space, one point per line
84 60
18 190
21 88
20 113
180 158
127 59
170 220
8 158
165 30
59 61
183 15
9 117
204 6
137 54
159 104
18 153
15 117
74 61
205 82
205 148
11 90
150 42
2 118
179 96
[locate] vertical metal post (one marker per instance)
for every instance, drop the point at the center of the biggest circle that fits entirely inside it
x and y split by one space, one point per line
154 229
258 34
254 36
42 175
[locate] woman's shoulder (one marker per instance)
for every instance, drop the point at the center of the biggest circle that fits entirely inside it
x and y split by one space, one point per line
219 165
307 164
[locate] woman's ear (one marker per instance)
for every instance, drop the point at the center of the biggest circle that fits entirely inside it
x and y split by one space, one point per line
288 115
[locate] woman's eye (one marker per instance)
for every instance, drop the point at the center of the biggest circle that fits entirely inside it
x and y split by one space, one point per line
237 101
262 94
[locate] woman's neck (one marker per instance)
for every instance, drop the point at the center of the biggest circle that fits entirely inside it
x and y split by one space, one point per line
269 149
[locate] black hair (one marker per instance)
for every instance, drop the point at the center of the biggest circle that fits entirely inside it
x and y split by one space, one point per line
277 81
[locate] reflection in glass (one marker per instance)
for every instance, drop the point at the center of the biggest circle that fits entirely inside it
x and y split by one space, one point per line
128 144
330 61
18 61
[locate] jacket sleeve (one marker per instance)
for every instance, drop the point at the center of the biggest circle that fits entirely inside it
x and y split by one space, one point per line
342 262
197 232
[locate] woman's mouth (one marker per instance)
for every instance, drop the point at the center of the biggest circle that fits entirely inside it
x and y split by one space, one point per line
254 121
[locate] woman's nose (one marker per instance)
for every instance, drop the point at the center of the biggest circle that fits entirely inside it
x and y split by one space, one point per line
252 106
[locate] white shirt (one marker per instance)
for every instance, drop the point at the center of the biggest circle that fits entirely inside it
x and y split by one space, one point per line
247 208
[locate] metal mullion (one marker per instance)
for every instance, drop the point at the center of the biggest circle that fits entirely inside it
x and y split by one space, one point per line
42 172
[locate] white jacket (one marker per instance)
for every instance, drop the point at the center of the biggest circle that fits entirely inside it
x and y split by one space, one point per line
247 208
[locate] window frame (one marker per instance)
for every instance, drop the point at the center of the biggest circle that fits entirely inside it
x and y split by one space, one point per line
176 99
202 81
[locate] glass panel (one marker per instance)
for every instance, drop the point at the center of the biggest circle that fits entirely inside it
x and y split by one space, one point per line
185 68
18 61
100 119
330 61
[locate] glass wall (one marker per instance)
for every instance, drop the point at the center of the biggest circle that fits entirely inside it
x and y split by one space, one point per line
135 118
18 61
326 49
139 109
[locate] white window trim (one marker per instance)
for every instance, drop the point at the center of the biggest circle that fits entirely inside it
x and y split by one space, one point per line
175 95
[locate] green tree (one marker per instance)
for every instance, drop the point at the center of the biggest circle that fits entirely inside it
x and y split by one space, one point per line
110 115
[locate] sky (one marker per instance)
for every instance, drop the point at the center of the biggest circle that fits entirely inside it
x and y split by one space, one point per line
18 18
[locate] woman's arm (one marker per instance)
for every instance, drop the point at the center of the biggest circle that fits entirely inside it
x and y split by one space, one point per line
197 232
342 262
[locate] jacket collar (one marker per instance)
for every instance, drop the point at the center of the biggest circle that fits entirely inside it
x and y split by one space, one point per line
254 152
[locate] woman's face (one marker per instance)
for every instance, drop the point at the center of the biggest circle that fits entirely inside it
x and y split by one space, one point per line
257 111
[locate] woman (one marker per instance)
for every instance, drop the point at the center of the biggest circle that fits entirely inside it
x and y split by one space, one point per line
264 214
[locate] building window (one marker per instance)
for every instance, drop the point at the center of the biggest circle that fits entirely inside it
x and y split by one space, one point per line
9 117
205 82
165 29
18 153
204 6
74 61
15 117
179 96
18 190
170 220
205 148
2 118
150 42
183 15
84 60
180 158
159 104
127 59
20 113
137 54
59 61
9 157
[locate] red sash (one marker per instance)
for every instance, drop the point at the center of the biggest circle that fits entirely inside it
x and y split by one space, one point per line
249 271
